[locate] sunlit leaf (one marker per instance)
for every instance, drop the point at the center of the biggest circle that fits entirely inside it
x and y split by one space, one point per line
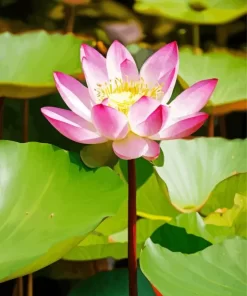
195 224
207 12
29 60
224 193
97 246
230 93
234 217
49 202
152 201
194 167
218 270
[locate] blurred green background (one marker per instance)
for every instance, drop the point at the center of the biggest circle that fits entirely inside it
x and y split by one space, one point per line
38 37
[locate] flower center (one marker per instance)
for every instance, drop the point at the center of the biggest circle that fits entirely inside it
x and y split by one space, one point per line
122 94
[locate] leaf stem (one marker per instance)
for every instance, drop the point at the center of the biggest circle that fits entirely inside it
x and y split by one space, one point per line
20 286
211 126
222 35
132 260
1 116
30 285
196 38
70 14
25 120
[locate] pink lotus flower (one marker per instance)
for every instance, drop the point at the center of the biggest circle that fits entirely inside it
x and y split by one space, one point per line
126 107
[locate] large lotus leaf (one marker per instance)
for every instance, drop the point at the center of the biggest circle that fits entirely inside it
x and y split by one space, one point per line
207 12
49 202
97 246
116 223
195 224
194 167
234 217
98 155
151 202
218 270
230 93
106 9
176 239
29 59
112 283
223 194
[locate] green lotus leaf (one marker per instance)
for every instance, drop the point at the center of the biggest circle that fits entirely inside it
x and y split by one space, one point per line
98 155
204 12
116 223
112 283
230 93
224 193
176 239
29 59
174 268
194 177
195 224
49 202
97 246
234 217
194 167
151 202
106 9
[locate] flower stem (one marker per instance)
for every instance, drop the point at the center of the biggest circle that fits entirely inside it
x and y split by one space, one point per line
132 260
1 116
